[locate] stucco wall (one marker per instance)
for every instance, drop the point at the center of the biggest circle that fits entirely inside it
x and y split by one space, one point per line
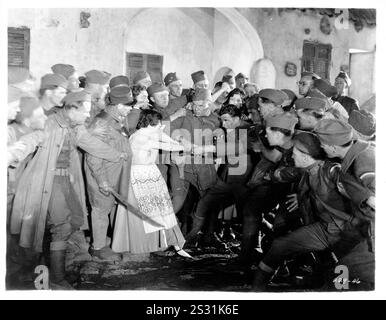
189 39
283 35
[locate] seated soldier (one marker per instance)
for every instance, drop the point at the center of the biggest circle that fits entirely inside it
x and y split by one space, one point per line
327 214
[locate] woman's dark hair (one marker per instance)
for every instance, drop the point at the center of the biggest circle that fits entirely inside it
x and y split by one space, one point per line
230 109
136 90
286 132
234 92
147 117
82 82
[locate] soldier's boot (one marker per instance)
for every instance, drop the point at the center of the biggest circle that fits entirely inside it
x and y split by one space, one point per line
260 281
194 235
58 271
105 254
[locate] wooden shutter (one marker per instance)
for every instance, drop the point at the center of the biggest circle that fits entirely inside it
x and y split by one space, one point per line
150 63
317 58
18 47
154 67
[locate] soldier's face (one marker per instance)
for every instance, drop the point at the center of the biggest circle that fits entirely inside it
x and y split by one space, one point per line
57 95
38 119
79 115
123 109
203 84
305 84
229 122
306 120
73 82
275 138
330 150
236 100
341 85
176 88
201 108
240 82
253 114
13 109
161 99
299 158
145 82
250 90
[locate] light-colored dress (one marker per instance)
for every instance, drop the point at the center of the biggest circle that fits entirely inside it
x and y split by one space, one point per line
149 193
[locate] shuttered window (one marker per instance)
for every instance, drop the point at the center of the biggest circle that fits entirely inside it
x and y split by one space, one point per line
18 47
150 63
317 58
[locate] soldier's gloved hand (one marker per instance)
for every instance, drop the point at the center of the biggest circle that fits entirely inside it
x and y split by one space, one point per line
104 188
292 202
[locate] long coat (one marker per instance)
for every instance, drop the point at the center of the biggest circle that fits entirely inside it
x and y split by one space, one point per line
33 192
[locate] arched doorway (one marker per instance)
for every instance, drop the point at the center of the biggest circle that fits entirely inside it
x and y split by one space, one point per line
191 39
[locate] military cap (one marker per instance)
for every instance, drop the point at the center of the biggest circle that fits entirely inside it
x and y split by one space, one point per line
290 94
309 103
274 95
119 85
66 70
18 75
198 76
202 95
52 79
27 106
284 120
156 87
241 76
77 96
14 94
140 76
345 77
170 77
316 93
121 98
334 132
363 121
325 87
310 74
96 76
308 143
227 78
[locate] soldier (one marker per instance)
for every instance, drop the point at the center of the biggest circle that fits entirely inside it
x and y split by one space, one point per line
199 123
329 91
342 83
241 80
306 82
101 175
176 99
53 89
271 181
51 192
327 215
233 173
229 79
97 83
142 78
69 73
310 111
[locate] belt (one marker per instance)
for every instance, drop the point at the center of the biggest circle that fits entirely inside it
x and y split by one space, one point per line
62 172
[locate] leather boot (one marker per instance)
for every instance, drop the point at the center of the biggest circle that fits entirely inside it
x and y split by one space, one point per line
193 236
261 280
58 271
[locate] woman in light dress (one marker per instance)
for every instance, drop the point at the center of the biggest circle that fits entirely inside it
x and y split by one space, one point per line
148 193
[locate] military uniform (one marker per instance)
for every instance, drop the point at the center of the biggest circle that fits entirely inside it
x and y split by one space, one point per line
99 171
348 103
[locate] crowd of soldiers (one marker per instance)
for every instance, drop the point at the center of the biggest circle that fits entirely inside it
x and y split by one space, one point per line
305 161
